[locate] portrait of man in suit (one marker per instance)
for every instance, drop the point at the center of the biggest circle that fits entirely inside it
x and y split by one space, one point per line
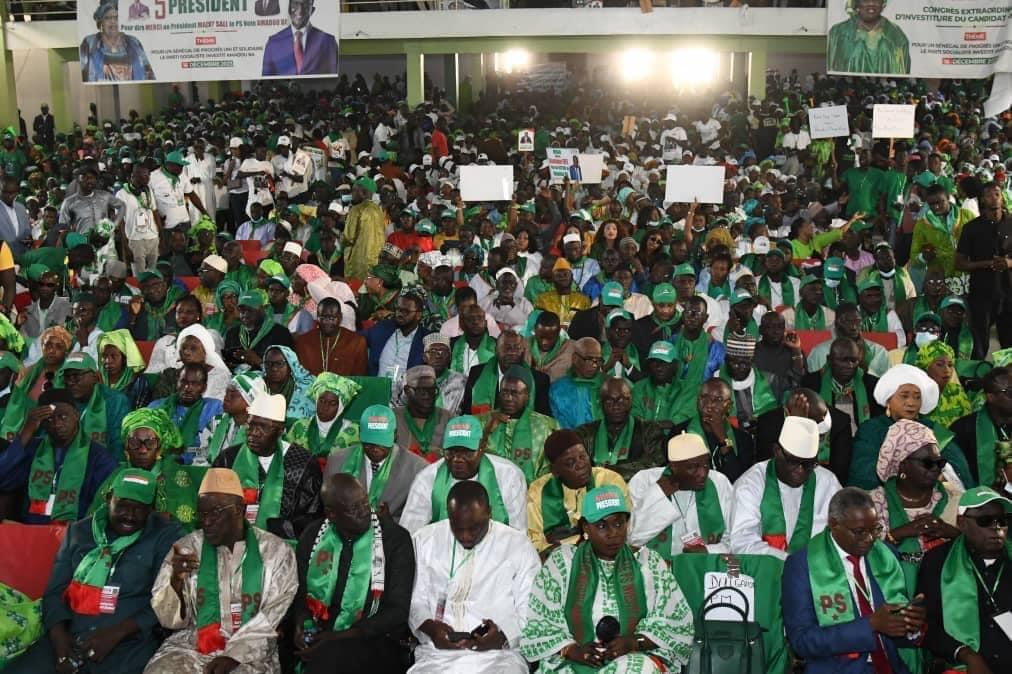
266 7
300 49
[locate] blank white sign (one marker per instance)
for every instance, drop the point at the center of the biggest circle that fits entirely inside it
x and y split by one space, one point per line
828 122
702 183
591 165
486 183
892 121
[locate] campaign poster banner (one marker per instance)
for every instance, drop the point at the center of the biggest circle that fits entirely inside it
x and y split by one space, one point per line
564 162
200 40
954 38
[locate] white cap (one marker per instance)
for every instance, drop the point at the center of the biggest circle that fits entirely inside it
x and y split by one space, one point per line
506 270
482 156
284 140
761 245
292 247
426 160
686 446
235 142
363 153
271 407
216 262
800 437
571 238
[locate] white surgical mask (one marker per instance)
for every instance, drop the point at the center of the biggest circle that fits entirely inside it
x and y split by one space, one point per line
832 282
826 424
887 274
922 339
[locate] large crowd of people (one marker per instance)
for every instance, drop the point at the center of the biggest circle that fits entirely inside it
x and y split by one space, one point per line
295 405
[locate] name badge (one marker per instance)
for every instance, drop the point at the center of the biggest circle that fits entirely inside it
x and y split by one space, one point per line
1004 621
236 609
252 509
49 505
108 599
441 607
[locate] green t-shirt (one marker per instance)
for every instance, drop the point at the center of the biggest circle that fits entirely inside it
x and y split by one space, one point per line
13 163
865 187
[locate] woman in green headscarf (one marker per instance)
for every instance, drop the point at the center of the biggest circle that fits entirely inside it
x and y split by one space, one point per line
202 237
327 429
226 298
938 360
152 442
123 366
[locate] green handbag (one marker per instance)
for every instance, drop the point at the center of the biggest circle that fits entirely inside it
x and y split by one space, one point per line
727 646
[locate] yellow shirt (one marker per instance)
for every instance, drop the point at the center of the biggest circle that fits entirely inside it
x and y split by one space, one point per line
563 306
6 258
572 499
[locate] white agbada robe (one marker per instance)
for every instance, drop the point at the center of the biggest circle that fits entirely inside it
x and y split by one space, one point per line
491 581
746 532
512 486
254 644
654 512
205 170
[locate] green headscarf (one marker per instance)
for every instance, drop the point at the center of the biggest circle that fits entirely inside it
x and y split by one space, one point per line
327 382
953 403
10 334
124 342
224 288
271 267
159 423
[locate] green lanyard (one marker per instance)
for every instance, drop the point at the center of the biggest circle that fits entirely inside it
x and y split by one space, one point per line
994 588
453 560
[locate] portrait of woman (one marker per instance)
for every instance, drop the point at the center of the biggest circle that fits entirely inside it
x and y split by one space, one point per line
110 55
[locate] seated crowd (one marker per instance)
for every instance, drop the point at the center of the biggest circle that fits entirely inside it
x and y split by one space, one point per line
293 405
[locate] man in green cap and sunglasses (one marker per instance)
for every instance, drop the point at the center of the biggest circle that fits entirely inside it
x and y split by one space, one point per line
172 192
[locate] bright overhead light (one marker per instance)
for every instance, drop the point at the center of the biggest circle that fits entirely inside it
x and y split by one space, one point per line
636 64
693 66
513 60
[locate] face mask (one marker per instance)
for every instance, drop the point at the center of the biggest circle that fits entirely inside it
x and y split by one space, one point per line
887 274
832 283
922 339
826 424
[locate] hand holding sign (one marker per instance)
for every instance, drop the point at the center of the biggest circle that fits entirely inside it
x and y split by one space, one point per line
828 122
892 121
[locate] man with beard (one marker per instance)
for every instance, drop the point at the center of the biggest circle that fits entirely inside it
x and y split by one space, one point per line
551 353
396 344
247 342
280 481
224 589
732 449
421 421
844 385
484 381
329 346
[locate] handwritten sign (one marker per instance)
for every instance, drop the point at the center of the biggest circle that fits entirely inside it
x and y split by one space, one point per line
892 121
715 580
486 183
704 183
828 122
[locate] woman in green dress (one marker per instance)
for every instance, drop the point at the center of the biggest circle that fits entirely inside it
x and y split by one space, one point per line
327 429
602 577
938 360
226 298
152 443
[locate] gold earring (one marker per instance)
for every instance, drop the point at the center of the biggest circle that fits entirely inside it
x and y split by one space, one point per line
903 476
586 537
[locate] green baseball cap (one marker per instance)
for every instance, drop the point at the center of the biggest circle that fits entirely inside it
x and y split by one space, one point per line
148 275
377 426
462 432
741 295
617 313
251 300
685 269
976 497
860 226
612 294
425 226
664 293
809 279
777 251
135 484
601 502
952 300
79 360
662 351
833 269
869 283
176 157
928 316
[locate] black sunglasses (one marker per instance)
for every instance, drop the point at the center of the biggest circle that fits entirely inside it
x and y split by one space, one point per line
989 521
931 464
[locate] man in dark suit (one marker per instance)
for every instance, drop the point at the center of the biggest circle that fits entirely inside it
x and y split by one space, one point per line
837 383
510 350
403 332
44 127
14 227
804 402
300 49
846 607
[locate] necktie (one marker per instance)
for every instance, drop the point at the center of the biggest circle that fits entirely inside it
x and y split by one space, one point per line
298 52
879 659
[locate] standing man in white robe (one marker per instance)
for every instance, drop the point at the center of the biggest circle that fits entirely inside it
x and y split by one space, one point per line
245 639
464 458
472 581
684 506
200 173
782 502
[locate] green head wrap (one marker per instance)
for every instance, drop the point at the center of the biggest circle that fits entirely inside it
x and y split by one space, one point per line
224 288
11 335
271 267
932 351
158 421
124 342
204 224
327 382
10 362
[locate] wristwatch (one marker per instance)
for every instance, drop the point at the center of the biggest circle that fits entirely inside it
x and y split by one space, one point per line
641 643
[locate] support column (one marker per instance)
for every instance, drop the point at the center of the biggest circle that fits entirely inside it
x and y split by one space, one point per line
415 76
59 92
757 73
451 76
739 73
215 91
148 103
8 90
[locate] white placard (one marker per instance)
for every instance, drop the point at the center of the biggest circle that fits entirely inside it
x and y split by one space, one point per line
828 122
892 121
704 183
525 142
592 166
713 580
486 183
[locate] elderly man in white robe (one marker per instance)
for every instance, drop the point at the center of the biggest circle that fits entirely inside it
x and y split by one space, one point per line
780 503
682 507
465 458
225 588
472 581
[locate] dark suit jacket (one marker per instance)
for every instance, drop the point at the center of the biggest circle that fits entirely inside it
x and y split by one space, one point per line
541 385
965 430
402 473
813 380
841 440
276 336
376 337
319 56
827 650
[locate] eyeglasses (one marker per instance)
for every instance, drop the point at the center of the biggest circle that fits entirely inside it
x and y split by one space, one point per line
151 443
805 464
874 532
933 464
275 364
590 359
429 391
214 515
989 521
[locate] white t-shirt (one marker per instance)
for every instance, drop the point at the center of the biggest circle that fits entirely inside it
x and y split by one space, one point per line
170 198
138 222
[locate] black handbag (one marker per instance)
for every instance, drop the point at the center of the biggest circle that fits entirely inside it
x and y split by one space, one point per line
727 646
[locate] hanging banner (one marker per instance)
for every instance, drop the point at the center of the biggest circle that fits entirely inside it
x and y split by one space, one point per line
200 40
953 39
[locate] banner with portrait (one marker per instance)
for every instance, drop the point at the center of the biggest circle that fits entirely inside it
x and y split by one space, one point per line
951 39
201 40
